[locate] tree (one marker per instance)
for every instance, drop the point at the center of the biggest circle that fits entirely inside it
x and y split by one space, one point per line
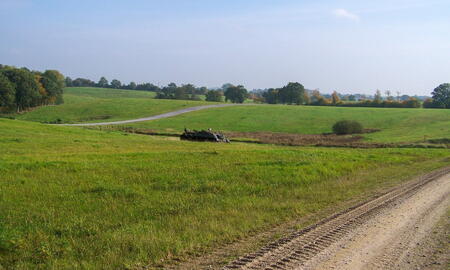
404 97
214 96
236 94
315 96
225 86
132 86
351 98
116 84
167 92
189 89
335 98
69 82
441 95
271 96
7 93
388 95
194 97
81 82
27 90
293 93
103 82
54 83
306 98
411 103
148 87
180 93
430 103
21 89
45 97
377 98
317 99
202 90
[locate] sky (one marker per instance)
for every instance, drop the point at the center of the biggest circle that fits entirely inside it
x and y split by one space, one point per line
349 46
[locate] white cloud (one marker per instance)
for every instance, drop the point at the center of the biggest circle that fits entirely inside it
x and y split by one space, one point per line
343 13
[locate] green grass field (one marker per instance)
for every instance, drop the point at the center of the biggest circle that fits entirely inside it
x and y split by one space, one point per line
397 125
100 105
72 198
84 104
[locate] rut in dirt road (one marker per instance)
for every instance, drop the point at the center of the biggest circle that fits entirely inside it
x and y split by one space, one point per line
371 235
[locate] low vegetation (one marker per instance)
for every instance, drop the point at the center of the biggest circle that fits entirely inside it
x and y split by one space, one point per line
75 198
345 127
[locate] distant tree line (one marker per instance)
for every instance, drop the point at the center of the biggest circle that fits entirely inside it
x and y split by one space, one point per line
292 93
295 93
232 93
115 84
171 91
183 92
22 89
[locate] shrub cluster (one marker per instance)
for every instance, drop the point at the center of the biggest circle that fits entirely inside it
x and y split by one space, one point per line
21 89
347 127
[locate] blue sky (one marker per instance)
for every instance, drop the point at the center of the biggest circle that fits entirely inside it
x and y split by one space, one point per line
349 46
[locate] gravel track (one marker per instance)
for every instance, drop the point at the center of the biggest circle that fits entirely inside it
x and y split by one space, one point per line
160 116
372 235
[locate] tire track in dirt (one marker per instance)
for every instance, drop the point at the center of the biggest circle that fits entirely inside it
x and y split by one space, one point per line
301 249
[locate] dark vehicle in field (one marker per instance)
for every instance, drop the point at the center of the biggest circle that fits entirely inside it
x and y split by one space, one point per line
203 136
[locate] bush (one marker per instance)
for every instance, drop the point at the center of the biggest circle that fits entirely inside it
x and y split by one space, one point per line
347 127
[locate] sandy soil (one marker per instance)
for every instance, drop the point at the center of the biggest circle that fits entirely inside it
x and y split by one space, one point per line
410 235
406 228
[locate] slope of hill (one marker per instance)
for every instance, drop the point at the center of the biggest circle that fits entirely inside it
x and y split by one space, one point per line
83 104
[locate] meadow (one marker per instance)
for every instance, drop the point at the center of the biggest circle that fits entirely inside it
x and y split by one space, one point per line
396 125
72 198
84 104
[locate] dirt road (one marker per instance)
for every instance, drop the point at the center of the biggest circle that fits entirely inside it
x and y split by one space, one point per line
160 116
406 228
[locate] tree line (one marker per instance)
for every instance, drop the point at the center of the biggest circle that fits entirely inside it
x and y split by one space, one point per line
292 93
229 92
22 89
295 93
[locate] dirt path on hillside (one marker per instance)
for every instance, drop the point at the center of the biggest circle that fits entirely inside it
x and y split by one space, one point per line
160 116
406 228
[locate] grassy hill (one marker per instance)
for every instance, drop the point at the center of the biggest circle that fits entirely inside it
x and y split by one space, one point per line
72 198
83 104
397 125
